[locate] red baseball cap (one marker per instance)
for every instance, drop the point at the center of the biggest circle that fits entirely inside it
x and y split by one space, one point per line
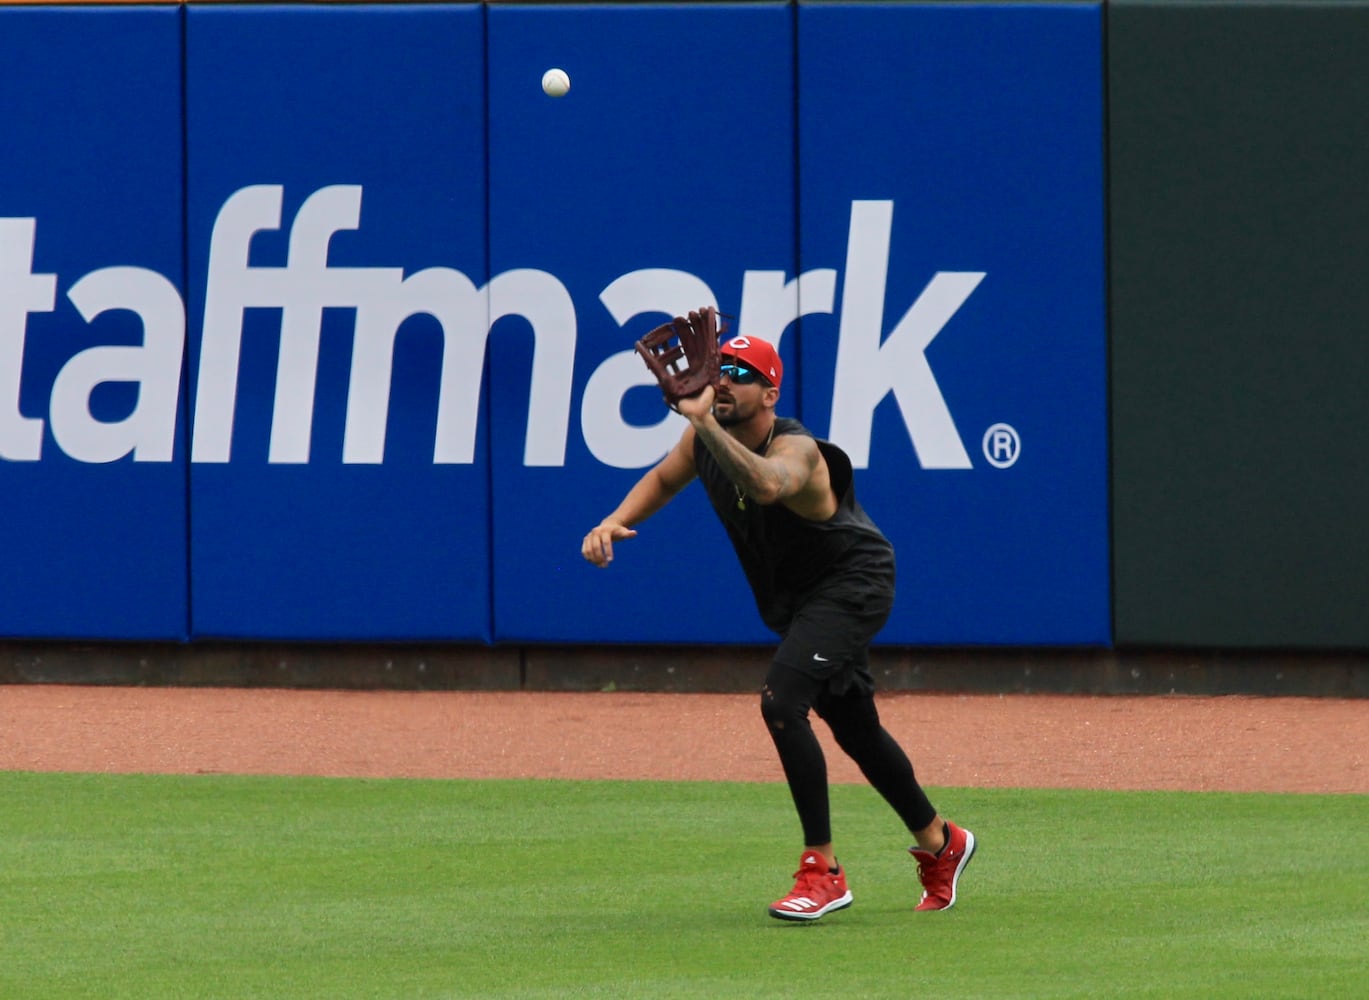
758 354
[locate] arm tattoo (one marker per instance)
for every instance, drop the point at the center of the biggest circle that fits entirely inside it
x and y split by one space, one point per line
751 473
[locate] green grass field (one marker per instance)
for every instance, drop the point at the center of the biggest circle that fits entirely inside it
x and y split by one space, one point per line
229 887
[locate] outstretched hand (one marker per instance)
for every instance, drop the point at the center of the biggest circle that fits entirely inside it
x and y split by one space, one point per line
697 406
598 544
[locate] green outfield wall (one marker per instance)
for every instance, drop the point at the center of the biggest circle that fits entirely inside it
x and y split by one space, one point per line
1239 274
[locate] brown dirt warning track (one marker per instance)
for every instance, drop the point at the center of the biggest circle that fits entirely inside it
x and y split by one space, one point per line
1228 743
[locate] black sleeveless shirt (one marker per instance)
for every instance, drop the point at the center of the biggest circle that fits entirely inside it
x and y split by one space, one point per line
788 559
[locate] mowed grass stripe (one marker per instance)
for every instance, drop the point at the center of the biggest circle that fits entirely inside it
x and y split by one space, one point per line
213 886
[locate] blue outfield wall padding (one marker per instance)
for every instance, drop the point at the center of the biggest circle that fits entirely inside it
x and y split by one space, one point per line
409 284
339 475
951 175
92 467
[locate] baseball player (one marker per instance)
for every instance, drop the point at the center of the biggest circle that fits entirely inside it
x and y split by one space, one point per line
822 575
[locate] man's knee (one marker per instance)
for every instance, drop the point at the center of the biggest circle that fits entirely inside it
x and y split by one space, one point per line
772 711
784 705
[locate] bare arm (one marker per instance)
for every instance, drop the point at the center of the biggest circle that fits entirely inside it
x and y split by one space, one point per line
650 493
784 472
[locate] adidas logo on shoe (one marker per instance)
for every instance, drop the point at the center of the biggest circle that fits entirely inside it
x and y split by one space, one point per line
816 891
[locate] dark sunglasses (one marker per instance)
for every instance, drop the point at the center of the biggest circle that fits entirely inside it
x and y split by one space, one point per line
741 375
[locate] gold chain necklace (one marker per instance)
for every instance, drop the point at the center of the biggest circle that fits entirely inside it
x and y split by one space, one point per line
741 497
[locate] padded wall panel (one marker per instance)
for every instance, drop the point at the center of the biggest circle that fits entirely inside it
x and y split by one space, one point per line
639 195
951 187
92 449
1239 232
337 253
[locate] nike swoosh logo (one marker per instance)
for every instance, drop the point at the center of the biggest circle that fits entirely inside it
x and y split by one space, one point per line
820 659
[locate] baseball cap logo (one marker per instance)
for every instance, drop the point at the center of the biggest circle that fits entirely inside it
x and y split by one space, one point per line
759 354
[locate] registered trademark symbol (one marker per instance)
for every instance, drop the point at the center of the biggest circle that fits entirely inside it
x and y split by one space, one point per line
1002 446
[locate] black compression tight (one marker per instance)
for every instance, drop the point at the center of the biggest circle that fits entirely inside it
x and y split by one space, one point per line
786 699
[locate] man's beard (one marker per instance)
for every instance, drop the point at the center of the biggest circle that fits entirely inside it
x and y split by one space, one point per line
731 418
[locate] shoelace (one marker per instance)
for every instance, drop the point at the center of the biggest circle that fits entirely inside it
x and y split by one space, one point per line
935 863
808 881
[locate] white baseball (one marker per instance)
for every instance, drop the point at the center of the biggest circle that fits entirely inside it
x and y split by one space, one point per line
555 82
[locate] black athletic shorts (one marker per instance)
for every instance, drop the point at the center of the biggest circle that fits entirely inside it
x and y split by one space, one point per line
829 638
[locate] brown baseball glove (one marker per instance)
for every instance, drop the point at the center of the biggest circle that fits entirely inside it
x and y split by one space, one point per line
683 354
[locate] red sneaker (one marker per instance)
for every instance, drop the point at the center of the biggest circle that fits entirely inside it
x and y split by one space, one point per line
816 891
941 873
